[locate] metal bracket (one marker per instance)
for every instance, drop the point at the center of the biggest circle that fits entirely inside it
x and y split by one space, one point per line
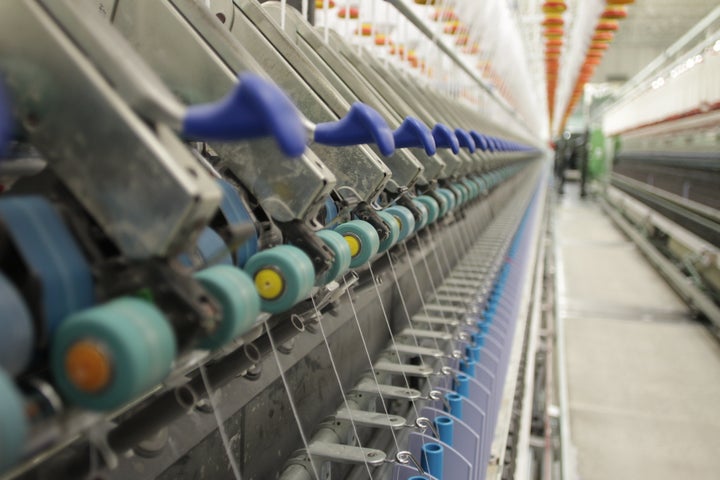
446 308
418 333
346 454
458 289
457 282
400 369
403 348
363 418
433 320
451 299
369 387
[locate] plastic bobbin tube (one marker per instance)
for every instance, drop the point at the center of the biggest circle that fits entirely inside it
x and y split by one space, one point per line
454 401
479 338
468 367
431 459
473 352
445 427
462 385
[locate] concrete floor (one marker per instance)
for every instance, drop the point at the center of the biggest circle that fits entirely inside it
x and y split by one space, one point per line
643 378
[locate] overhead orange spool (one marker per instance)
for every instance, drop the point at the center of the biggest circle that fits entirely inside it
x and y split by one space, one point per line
607 26
553 32
473 49
603 37
615 13
365 30
444 14
320 4
595 54
354 12
553 22
554 7
462 40
599 46
554 42
380 39
454 27
592 61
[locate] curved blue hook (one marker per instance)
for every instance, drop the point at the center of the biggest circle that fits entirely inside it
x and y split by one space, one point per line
255 108
480 141
465 140
414 133
361 125
445 138
492 145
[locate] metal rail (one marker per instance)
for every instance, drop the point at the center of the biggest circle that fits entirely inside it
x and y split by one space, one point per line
695 297
696 218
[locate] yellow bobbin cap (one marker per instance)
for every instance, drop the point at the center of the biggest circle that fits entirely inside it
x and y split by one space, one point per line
269 284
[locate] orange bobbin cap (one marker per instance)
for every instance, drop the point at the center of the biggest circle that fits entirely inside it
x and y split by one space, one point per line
87 366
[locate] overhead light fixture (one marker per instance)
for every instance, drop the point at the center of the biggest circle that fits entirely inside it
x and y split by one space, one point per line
658 82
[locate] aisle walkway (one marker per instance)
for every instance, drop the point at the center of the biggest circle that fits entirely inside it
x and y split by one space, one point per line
643 378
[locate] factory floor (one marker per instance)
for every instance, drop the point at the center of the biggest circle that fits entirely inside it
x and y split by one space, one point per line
643 378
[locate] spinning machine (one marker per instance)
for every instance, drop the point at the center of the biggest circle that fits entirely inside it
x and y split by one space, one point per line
234 244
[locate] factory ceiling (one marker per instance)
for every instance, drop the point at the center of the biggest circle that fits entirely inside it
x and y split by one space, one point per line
651 27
